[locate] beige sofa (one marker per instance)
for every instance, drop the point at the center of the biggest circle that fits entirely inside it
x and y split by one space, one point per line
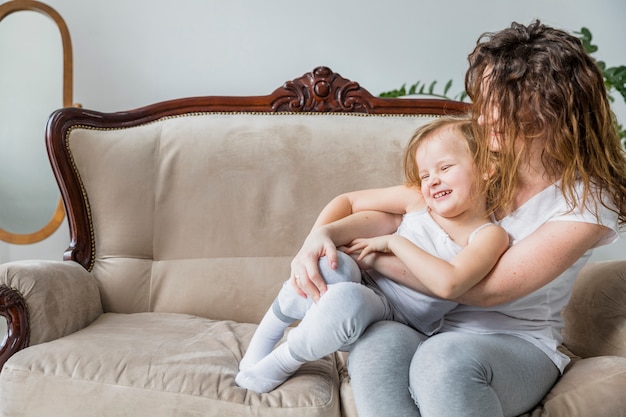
184 216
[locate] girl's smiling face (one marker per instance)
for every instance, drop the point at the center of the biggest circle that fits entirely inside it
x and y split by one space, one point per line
446 172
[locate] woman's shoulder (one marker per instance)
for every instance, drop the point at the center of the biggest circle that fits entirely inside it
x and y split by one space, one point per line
554 204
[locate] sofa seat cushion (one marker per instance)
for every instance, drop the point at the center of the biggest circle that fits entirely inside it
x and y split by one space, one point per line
156 364
589 387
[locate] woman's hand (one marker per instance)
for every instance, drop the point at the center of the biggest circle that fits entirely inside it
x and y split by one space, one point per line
305 274
323 240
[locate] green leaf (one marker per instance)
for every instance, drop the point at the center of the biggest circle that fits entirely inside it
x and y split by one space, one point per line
431 89
394 93
586 37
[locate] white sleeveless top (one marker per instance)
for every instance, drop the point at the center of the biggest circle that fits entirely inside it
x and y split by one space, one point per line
422 312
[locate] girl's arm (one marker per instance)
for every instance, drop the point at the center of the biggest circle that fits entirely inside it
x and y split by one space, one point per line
390 266
534 262
444 279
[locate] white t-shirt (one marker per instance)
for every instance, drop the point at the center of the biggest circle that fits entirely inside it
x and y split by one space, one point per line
535 317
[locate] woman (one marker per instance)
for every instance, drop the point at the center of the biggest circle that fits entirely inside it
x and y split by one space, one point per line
559 189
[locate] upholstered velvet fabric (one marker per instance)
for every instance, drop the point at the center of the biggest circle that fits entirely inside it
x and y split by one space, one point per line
125 364
589 387
62 296
594 318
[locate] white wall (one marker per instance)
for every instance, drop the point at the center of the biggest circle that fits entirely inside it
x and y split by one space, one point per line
129 53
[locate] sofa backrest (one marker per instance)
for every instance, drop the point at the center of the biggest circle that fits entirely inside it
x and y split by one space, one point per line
198 205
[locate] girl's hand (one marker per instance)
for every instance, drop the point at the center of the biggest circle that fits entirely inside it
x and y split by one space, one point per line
370 246
367 262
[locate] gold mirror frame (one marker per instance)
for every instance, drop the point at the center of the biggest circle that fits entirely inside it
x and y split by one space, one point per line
30 5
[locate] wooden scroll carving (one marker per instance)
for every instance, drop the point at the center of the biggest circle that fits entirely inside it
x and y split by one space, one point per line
13 309
322 90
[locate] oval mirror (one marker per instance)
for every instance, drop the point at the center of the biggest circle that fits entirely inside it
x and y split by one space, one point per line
35 79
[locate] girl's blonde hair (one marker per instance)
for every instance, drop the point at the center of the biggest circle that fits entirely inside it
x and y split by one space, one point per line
545 86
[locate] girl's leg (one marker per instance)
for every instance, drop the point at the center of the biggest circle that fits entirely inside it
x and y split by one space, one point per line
292 306
289 306
458 374
341 315
379 370
337 321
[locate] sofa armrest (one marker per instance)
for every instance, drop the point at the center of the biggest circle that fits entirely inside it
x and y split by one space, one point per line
595 317
45 300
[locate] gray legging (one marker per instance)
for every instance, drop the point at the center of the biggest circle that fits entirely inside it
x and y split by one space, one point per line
393 368
338 319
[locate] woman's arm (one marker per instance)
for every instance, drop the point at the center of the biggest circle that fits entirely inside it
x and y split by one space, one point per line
443 279
534 262
397 200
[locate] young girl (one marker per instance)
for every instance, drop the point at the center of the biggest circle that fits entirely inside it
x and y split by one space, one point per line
445 232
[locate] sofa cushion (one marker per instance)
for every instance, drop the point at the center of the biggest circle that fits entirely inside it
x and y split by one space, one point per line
589 387
156 364
594 317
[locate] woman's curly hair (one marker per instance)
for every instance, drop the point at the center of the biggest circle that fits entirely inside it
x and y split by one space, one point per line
542 84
